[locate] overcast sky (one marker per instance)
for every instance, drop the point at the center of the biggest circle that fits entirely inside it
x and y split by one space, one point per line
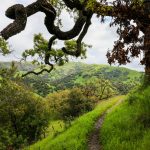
100 36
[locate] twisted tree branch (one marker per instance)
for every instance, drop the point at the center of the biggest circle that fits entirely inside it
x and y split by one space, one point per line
18 12
40 72
78 51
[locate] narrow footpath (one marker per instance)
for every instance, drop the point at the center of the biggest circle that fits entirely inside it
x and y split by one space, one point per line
94 138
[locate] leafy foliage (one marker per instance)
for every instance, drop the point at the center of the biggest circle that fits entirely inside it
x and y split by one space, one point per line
23 115
71 103
4 48
77 74
99 88
78 103
130 42
58 102
56 56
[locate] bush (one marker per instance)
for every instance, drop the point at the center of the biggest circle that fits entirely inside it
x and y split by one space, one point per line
23 115
78 103
69 103
57 103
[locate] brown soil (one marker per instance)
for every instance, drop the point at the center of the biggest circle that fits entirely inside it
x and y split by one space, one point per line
94 138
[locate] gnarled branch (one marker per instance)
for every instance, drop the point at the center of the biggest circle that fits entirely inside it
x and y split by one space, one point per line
18 12
40 72
77 53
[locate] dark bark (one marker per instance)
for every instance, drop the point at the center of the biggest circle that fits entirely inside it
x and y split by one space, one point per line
147 50
124 11
40 72
18 13
65 35
147 54
78 51
147 44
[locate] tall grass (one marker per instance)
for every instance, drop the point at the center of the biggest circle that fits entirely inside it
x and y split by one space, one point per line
128 126
55 127
76 137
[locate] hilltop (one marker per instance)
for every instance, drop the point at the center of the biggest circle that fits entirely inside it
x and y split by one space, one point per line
76 73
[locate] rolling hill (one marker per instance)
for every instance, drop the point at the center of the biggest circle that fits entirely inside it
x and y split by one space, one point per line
73 74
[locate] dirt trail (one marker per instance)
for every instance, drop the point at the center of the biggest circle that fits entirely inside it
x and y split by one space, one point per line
94 140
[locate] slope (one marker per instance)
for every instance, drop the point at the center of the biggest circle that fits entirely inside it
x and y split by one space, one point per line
76 137
74 74
128 126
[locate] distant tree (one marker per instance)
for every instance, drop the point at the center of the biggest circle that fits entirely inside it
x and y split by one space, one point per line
125 87
130 16
39 84
57 103
69 103
98 87
78 103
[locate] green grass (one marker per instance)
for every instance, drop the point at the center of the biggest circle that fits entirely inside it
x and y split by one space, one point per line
54 128
128 126
75 138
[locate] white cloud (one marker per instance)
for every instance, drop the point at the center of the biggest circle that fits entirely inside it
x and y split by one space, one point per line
101 36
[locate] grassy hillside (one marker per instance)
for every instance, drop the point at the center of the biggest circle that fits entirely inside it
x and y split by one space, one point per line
73 74
75 70
75 138
128 127
79 71
125 128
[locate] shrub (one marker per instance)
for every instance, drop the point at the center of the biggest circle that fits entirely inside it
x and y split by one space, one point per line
57 103
67 104
23 115
78 103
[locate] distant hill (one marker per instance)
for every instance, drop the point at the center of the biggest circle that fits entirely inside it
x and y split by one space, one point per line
21 66
72 74
78 71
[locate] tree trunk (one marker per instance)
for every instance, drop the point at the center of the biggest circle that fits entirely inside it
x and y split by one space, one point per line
147 54
147 50
147 43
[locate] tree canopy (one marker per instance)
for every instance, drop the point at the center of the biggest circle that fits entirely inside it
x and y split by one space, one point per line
23 115
130 16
